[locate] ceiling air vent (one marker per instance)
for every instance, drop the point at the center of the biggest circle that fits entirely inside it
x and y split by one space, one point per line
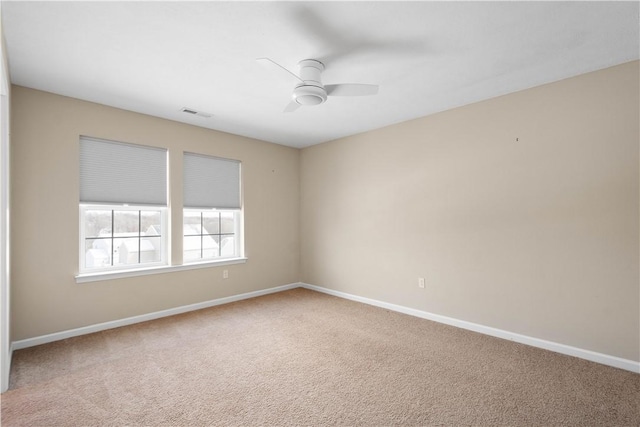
195 112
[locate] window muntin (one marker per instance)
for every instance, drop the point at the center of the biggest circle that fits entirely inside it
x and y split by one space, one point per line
122 237
210 235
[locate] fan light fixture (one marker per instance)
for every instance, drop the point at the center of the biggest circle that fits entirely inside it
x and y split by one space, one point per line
309 95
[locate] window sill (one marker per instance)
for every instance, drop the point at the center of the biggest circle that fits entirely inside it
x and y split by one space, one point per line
108 275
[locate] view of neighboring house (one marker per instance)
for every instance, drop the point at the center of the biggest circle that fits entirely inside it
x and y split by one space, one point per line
129 248
198 243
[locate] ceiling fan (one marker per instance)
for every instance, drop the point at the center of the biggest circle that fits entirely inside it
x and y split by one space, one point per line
310 90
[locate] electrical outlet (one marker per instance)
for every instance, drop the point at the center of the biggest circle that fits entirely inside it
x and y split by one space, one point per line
421 282
225 274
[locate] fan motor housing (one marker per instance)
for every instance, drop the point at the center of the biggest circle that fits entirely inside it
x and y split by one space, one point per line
311 92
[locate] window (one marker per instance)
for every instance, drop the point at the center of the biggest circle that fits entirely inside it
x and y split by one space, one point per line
123 206
122 237
212 214
210 234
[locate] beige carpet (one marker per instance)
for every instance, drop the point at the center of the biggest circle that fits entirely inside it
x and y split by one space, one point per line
305 358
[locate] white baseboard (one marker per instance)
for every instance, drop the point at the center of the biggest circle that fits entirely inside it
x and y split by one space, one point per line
592 356
30 342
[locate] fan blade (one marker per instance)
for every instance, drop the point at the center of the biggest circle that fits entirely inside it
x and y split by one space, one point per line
331 44
291 107
272 63
351 89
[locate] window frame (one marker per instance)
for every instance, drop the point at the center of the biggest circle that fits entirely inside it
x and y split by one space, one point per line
165 251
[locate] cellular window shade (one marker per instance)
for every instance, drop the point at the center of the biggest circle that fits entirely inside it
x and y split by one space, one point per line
211 182
114 172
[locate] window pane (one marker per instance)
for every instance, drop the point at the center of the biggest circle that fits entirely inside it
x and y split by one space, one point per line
97 253
211 222
97 223
150 223
191 248
191 223
210 246
127 251
228 222
125 223
150 249
228 246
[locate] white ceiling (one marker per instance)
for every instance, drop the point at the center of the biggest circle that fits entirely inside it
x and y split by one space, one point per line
157 57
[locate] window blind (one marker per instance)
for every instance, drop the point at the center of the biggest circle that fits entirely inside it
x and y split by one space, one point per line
211 182
115 172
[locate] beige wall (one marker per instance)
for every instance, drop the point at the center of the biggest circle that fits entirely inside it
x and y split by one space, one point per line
45 185
537 236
